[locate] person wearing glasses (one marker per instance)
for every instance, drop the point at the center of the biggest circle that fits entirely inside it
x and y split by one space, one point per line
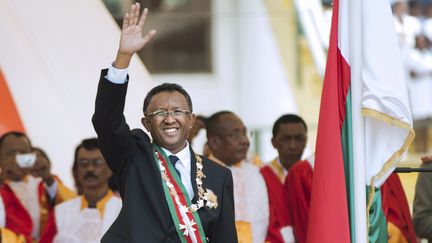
88 217
28 174
228 140
169 193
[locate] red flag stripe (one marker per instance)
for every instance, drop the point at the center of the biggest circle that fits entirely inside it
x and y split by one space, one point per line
328 215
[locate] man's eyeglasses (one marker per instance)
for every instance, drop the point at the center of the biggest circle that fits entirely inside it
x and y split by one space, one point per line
84 163
177 113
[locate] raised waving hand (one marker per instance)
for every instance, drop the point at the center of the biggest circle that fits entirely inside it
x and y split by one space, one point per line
132 39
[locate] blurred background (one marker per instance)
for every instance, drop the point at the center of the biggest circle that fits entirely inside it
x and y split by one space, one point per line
258 58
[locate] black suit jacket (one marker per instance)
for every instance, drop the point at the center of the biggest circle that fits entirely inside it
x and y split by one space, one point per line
145 216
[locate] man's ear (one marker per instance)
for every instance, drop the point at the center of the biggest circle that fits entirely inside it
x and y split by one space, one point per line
146 123
213 142
273 141
192 117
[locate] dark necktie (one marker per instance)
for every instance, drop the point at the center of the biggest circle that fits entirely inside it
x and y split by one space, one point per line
174 160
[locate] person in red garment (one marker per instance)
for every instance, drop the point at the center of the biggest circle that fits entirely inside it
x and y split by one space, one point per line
395 207
289 139
28 174
298 188
15 222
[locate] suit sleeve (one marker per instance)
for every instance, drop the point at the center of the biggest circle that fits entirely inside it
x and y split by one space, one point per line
423 204
225 231
114 135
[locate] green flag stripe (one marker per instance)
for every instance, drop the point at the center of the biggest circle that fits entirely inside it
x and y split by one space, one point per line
377 220
377 231
347 145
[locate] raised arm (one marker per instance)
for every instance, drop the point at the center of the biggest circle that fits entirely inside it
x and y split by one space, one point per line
132 39
109 122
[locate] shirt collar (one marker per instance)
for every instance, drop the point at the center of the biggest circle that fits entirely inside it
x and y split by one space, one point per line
100 205
183 155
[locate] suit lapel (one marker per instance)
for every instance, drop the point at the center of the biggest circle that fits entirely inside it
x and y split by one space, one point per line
193 176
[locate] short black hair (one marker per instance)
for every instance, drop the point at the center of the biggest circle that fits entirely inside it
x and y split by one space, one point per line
167 87
87 144
15 134
287 118
212 123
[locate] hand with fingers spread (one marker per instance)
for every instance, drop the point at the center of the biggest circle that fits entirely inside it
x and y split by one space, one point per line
132 39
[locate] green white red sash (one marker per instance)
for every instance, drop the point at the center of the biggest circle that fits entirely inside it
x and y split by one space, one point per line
187 223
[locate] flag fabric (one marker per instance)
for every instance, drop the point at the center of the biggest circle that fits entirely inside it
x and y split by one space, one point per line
365 123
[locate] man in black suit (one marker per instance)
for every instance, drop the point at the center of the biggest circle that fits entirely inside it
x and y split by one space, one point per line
169 193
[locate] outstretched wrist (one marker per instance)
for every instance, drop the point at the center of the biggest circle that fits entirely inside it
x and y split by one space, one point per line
122 60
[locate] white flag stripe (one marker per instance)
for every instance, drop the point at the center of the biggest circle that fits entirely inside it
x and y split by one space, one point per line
388 121
356 54
382 122
344 28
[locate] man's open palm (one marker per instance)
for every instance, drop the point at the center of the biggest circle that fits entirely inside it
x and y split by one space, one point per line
132 39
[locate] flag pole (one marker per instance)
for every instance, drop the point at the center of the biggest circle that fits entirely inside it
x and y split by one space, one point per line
355 48
411 169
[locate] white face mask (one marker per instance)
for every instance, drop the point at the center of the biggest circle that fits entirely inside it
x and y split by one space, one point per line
26 160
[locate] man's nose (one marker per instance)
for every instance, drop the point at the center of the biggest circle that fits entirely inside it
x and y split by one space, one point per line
292 143
169 118
244 139
91 167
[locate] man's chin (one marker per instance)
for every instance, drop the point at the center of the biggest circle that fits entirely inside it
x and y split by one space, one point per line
91 184
294 158
173 145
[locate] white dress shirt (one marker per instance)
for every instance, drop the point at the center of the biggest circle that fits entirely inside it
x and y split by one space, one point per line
184 167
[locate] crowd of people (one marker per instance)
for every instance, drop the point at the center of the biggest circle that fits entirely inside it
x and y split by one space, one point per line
133 188
268 203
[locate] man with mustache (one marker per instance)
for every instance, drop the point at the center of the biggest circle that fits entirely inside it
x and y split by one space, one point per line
227 138
88 217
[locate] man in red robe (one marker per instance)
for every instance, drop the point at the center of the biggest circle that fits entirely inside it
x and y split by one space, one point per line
289 139
298 188
15 222
31 179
